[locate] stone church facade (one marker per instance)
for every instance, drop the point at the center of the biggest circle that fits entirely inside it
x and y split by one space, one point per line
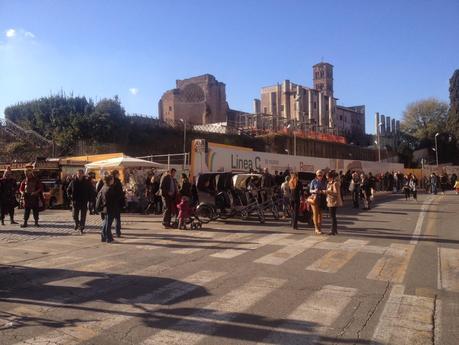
201 100
198 100
313 108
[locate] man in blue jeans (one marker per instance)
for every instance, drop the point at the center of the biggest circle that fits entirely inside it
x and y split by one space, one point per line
107 205
120 197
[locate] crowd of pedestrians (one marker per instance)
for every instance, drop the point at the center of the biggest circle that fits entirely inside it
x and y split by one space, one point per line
435 183
173 198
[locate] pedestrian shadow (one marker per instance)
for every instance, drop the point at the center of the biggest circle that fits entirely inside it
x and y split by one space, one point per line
36 232
242 327
390 234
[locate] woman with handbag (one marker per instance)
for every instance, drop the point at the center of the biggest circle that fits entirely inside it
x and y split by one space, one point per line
334 200
317 188
296 190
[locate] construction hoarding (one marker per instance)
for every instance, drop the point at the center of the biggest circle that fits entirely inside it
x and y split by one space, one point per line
212 157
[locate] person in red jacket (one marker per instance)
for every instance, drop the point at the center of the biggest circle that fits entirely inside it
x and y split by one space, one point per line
32 192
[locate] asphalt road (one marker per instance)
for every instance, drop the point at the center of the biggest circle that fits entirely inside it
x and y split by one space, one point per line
391 276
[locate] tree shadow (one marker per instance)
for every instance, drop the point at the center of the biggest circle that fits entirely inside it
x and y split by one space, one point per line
71 288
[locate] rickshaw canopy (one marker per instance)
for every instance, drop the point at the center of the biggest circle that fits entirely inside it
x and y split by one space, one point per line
240 180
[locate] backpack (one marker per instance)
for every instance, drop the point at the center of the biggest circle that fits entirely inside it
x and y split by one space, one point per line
100 201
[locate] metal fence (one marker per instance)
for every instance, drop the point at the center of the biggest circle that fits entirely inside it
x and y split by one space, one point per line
170 160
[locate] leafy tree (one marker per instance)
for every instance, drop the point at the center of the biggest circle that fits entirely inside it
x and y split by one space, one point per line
424 118
453 114
67 119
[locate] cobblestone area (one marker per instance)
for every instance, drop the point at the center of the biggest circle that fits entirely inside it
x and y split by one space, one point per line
52 223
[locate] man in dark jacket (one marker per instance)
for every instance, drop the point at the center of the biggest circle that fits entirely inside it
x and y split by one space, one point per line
79 192
32 192
107 204
120 198
168 190
8 202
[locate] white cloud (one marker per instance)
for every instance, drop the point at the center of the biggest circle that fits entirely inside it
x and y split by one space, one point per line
19 33
134 91
29 34
10 33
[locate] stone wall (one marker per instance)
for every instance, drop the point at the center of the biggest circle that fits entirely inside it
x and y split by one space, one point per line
170 140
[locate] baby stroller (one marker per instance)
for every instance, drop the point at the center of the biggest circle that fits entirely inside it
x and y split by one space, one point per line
186 216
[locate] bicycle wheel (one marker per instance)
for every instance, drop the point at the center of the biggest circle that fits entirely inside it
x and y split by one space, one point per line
275 211
261 215
205 213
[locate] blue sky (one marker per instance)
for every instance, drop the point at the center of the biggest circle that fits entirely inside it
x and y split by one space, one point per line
386 53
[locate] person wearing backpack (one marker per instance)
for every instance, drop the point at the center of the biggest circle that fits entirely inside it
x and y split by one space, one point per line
107 204
121 198
354 188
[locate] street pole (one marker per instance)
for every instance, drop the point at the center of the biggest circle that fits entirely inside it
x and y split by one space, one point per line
436 148
294 143
184 144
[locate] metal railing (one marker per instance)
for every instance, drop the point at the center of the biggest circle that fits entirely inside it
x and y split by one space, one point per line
171 159
26 135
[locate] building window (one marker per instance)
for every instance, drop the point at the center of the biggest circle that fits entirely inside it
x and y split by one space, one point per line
170 108
282 107
315 105
265 110
341 117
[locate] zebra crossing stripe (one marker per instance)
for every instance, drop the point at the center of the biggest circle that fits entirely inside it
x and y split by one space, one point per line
286 253
245 247
67 261
102 321
393 265
405 319
335 259
448 273
191 331
312 317
418 228
228 238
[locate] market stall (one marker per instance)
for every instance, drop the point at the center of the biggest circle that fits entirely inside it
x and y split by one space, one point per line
133 174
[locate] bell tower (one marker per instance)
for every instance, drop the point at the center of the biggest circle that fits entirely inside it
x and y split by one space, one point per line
323 78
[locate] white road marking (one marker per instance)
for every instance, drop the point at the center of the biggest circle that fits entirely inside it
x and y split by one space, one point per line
312 317
405 319
335 259
191 332
448 273
393 265
105 320
286 253
418 228
246 247
205 245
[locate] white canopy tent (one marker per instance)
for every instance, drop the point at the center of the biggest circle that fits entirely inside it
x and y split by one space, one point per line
122 162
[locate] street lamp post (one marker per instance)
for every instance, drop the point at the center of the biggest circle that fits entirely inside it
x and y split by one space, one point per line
379 141
436 148
184 142
294 143
292 127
